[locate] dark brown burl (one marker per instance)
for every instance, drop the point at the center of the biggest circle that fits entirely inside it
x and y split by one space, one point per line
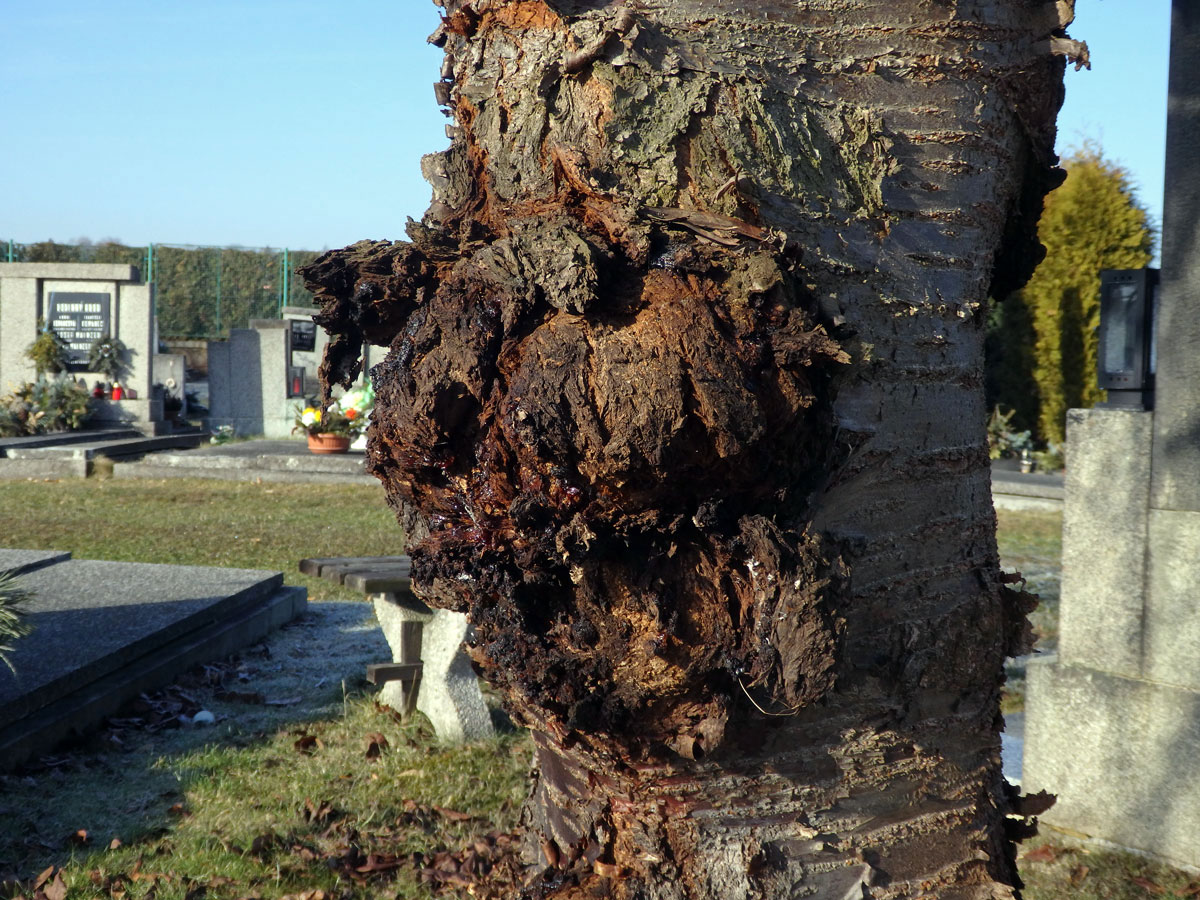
608 462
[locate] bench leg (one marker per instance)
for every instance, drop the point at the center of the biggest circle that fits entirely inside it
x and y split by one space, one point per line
450 694
446 690
401 679
402 626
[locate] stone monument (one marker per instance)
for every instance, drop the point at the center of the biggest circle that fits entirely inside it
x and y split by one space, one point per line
1113 723
258 377
82 302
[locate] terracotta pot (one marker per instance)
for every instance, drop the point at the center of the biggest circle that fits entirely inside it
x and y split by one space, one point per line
328 443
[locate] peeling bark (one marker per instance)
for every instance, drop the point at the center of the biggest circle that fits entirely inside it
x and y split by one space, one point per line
683 408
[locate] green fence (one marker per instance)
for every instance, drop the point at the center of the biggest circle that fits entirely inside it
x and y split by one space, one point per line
200 292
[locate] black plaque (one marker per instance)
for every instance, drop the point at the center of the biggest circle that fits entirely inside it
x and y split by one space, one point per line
79 319
304 335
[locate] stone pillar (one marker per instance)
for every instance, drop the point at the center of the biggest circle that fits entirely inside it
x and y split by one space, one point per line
1104 539
19 309
1113 724
1177 384
274 350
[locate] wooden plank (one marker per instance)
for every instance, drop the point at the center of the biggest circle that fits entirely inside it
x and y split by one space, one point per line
335 568
311 567
410 642
378 673
379 582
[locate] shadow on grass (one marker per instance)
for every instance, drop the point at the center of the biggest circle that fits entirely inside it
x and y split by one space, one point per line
125 782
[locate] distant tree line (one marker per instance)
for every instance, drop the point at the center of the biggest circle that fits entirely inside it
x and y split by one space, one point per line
1042 341
200 292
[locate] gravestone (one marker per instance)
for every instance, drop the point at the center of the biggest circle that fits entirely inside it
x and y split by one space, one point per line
307 346
254 380
1113 723
82 302
247 381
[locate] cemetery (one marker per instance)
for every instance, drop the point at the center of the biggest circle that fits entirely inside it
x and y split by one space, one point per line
102 317
1105 716
1109 717
272 718
346 628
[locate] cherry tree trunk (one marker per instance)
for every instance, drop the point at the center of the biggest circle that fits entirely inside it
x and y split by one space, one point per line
683 407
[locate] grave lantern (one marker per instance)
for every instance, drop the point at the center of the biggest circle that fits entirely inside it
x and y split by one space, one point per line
1126 348
295 381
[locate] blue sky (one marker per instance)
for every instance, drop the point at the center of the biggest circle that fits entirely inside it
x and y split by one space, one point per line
301 124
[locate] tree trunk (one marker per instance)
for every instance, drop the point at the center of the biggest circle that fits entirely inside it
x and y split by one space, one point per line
683 406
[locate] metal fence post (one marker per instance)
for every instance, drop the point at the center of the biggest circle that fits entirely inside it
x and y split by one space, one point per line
220 262
283 289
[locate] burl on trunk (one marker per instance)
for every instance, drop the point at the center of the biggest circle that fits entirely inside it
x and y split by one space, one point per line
683 408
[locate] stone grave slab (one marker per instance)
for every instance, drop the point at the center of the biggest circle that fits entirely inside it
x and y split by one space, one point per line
105 631
21 561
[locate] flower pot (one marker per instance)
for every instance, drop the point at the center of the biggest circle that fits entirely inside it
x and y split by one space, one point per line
328 443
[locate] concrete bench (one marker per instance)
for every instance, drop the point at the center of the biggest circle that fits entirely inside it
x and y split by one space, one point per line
429 670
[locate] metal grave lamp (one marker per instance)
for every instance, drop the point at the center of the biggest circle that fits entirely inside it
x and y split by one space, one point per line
1126 358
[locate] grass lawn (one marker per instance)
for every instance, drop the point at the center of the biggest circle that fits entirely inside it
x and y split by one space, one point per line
303 783
304 788
1030 542
202 522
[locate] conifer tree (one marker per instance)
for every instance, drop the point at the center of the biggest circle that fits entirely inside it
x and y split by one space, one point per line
1093 222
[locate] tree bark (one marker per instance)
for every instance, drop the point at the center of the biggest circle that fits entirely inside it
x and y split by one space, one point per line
684 407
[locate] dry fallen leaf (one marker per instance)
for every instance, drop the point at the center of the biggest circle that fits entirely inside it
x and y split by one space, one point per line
376 744
1045 853
1148 885
79 838
314 894
314 812
379 863
307 743
56 889
263 843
